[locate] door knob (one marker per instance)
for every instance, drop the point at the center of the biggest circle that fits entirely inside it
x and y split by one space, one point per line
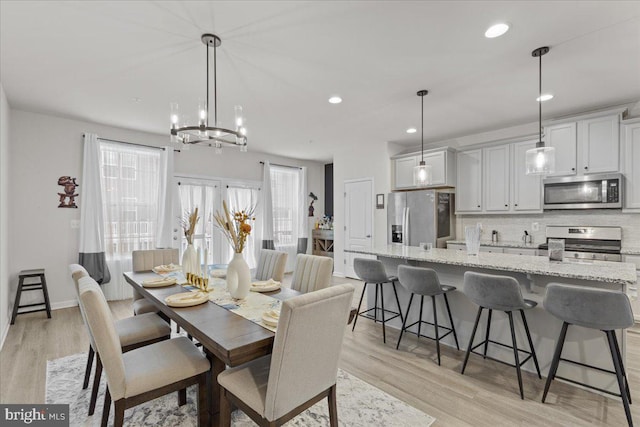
368 236
175 238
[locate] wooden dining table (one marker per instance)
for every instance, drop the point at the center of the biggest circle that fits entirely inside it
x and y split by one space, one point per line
228 339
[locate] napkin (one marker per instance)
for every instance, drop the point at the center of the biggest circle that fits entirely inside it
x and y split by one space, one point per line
273 313
163 269
265 283
185 296
162 280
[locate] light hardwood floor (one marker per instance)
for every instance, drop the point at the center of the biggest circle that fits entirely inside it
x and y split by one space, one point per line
487 395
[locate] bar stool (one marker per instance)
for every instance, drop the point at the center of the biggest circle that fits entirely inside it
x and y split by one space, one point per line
594 309
499 293
424 282
37 282
372 271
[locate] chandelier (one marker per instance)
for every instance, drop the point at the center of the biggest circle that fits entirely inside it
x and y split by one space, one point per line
211 133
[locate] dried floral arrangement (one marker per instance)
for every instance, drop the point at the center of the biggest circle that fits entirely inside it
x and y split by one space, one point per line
235 225
188 223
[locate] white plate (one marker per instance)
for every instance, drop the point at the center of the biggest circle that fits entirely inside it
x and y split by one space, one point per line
159 283
186 299
265 288
269 320
218 273
164 269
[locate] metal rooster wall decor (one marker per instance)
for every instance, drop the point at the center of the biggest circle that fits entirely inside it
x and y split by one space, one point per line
69 185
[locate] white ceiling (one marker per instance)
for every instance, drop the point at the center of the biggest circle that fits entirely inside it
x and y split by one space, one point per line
282 61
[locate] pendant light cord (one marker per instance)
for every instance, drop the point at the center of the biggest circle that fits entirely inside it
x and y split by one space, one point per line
422 131
215 84
207 106
540 100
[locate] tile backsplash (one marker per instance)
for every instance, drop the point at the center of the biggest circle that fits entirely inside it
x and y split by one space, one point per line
511 227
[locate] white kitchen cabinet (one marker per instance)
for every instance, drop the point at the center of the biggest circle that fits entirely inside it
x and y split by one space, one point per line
526 190
456 246
521 251
469 181
563 137
599 140
631 152
495 164
442 162
491 249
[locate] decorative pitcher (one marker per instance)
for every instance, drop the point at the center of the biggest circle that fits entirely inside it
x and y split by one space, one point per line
238 277
190 260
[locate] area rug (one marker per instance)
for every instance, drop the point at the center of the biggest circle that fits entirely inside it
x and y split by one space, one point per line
359 403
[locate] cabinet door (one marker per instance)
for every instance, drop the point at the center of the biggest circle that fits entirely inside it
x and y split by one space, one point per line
404 172
491 249
521 251
527 189
496 178
437 163
632 166
600 141
469 179
564 139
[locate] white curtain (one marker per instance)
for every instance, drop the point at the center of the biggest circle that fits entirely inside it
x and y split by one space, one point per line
266 232
130 188
288 207
92 244
244 198
204 196
165 201
303 233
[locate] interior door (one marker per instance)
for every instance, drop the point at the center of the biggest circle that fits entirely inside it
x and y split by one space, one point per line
358 231
204 194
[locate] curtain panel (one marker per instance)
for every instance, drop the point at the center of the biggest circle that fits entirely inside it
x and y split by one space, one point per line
267 209
164 234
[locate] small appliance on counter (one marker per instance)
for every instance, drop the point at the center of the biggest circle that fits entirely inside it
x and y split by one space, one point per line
586 243
494 236
423 216
527 238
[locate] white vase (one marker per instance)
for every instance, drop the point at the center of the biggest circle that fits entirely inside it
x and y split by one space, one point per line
190 260
238 277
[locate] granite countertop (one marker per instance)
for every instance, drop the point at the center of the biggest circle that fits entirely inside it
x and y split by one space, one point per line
602 271
501 244
630 251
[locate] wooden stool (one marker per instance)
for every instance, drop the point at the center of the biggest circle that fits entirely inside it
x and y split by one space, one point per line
42 284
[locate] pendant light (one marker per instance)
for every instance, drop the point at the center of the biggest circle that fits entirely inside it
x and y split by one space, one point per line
422 172
540 160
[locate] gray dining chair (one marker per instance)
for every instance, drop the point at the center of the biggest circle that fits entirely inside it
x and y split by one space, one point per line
145 260
145 373
271 265
301 370
311 273
133 332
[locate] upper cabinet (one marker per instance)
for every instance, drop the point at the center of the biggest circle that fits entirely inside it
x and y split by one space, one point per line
526 190
442 162
585 146
496 178
469 189
631 152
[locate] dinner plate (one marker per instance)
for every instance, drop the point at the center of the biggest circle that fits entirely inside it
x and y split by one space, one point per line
269 320
265 286
159 283
164 269
218 273
186 299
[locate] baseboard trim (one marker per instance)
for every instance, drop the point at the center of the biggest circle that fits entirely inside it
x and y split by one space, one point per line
3 337
64 304
338 274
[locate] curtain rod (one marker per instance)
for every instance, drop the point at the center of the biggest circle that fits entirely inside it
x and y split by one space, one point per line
283 166
135 144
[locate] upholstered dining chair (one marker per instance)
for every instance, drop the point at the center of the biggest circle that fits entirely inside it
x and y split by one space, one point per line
271 265
311 273
303 367
145 373
145 260
133 332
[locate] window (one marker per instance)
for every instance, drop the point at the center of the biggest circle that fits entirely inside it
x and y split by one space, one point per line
285 193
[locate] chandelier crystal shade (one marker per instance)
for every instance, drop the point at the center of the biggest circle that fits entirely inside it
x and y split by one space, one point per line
208 130
422 173
540 160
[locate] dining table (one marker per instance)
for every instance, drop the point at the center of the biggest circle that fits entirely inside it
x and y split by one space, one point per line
227 338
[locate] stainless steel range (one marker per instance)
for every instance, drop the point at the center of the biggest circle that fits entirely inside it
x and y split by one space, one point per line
594 243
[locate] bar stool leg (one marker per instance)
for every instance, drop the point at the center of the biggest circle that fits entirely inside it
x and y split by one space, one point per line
486 338
404 322
397 301
375 307
624 374
473 334
43 281
453 328
515 353
420 318
435 323
16 304
384 333
533 351
556 360
87 371
355 319
617 363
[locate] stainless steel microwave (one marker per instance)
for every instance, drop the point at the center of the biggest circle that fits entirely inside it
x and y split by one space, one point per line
598 191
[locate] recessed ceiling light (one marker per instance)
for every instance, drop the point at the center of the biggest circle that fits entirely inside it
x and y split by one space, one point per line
496 30
412 130
335 99
544 97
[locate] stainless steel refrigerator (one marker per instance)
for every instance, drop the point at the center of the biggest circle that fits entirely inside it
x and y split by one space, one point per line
424 216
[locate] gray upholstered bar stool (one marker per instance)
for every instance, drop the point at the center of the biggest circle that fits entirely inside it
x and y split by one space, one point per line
424 282
500 293
594 309
372 271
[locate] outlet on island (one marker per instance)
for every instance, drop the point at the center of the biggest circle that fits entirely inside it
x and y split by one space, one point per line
535 226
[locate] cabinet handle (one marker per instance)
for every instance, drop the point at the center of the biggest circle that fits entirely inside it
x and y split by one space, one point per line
506 206
516 204
586 168
478 205
573 169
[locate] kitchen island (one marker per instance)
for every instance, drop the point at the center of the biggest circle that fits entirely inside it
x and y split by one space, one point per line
533 273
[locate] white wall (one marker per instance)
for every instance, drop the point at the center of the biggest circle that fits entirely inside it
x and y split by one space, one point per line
4 216
45 147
